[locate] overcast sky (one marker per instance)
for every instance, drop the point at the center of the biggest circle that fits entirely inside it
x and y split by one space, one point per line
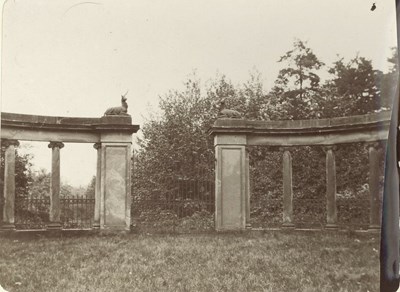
71 58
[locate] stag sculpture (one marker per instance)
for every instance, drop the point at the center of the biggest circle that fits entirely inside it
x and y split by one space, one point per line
119 110
228 113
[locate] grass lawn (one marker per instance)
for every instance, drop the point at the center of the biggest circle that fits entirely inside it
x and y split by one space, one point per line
270 261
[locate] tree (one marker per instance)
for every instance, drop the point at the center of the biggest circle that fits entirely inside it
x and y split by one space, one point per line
91 188
389 81
23 172
176 155
355 85
297 85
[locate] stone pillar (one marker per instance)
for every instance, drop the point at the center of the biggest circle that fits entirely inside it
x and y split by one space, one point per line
247 165
96 223
115 186
287 188
9 184
231 196
331 211
373 181
55 186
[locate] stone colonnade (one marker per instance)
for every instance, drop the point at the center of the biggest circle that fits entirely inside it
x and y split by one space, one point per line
331 219
112 192
112 138
233 192
232 136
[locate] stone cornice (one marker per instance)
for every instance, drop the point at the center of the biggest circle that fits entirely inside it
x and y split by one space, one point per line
362 128
106 123
67 129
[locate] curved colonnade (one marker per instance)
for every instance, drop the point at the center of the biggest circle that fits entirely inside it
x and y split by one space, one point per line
112 138
232 136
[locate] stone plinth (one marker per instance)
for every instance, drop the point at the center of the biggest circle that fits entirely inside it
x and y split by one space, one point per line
231 182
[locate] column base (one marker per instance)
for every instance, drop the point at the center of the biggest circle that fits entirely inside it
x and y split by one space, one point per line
54 226
374 227
331 226
248 225
96 225
287 225
7 227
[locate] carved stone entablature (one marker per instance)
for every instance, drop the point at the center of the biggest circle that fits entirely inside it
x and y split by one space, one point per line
8 142
55 144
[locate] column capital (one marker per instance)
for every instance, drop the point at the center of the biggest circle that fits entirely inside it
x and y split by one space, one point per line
285 148
9 142
374 144
326 148
97 146
56 144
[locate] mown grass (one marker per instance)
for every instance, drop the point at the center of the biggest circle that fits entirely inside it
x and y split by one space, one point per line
271 261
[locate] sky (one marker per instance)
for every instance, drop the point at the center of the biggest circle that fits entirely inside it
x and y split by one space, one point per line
73 58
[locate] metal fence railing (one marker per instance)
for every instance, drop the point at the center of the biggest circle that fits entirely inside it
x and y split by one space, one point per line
181 201
77 212
31 213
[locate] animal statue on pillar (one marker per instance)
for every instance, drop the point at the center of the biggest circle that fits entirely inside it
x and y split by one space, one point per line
228 113
119 110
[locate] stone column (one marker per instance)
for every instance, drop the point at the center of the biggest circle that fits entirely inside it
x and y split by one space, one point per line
287 188
231 203
331 211
9 184
96 223
373 181
247 165
55 186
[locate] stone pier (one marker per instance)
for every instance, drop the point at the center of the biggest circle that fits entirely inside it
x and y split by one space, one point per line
115 189
231 198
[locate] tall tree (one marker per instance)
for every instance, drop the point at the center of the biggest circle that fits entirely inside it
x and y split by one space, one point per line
355 85
297 85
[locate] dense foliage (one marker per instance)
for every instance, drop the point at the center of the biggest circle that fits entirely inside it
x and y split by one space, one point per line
175 145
